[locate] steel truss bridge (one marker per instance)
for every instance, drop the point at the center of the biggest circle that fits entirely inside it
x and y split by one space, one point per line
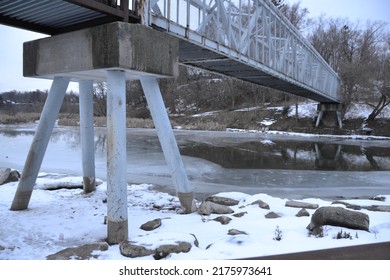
246 39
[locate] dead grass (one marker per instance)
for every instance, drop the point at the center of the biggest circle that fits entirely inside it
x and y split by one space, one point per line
18 118
73 120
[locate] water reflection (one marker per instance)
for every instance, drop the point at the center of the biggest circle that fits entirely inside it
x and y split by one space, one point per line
292 155
238 154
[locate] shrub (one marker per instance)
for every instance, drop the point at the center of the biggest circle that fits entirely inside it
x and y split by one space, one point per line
278 234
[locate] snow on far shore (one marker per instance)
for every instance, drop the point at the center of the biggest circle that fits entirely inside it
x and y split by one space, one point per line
356 111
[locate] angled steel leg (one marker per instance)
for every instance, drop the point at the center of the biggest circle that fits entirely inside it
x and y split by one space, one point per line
168 142
41 140
87 135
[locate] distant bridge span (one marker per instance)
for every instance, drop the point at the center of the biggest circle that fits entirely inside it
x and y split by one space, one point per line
246 39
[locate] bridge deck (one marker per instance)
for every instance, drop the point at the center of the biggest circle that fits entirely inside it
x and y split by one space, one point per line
201 57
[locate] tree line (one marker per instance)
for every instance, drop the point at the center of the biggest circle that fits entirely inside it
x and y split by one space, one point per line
360 53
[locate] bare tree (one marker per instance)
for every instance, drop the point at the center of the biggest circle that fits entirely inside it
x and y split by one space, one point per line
351 51
100 98
382 82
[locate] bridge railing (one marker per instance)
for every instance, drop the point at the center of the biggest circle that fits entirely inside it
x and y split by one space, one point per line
252 31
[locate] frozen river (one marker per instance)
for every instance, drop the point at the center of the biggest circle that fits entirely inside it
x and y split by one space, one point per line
279 165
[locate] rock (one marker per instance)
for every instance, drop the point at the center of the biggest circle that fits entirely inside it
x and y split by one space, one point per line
207 208
187 202
130 250
261 204
83 252
4 174
272 215
302 213
7 175
338 216
239 215
223 220
151 225
234 231
2 248
179 247
222 200
378 198
348 205
381 208
300 204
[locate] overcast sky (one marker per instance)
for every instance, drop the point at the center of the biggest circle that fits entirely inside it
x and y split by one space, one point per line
11 73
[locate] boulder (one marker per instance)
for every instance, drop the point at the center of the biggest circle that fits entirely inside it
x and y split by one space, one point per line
234 231
131 250
223 200
151 225
300 204
7 175
381 208
83 252
302 213
223 220
272 215
207 208
338 216
262 204
4 173
240 214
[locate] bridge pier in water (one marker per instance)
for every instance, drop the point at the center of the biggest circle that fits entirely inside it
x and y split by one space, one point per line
115 52
327 108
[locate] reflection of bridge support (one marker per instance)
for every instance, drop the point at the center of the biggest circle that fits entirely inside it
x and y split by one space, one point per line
327 156
325 108
113 52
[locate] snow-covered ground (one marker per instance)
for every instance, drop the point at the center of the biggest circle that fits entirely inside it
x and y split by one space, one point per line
309 109
61 218
66 217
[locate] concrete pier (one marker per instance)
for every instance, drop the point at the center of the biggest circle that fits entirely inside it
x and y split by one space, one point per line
327 108
115 52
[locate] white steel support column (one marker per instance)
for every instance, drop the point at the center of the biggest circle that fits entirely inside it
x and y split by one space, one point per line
117 220
168 142
39 144
87 134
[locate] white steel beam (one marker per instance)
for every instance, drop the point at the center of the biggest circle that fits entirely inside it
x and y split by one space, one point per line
39 144
117 216
87 134
168 142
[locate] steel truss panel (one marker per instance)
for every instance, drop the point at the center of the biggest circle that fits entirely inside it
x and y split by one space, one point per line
253 36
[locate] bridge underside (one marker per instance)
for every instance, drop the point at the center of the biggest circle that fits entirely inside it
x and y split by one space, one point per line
203 58
60 16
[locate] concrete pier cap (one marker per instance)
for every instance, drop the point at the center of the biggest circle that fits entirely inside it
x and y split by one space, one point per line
87 54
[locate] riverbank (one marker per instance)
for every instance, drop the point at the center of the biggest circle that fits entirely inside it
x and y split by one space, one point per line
261 118
258 225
